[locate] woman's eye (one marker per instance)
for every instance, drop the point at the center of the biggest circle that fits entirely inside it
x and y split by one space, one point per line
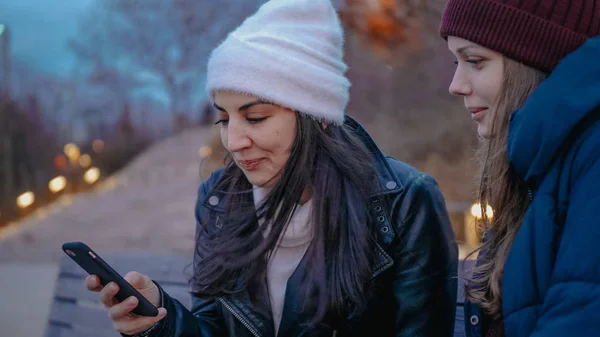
474 62
222 121
256 120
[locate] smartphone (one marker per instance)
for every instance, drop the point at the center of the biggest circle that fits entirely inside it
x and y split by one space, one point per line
93 264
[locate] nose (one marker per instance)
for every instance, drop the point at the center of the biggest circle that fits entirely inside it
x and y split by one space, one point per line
460 85
237 136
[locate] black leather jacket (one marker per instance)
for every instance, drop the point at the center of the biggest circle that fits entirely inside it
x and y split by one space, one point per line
414 269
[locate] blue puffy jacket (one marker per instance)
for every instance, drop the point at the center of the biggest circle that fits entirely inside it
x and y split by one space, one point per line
551 283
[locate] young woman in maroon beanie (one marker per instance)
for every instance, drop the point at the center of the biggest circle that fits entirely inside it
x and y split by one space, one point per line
529 73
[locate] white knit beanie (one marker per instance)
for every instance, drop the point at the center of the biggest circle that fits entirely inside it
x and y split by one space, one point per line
290 52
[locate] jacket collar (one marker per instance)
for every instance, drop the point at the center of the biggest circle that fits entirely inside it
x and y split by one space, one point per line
553 111
387 182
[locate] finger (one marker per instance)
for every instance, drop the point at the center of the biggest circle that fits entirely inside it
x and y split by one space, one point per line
92 283
107 294
139 323
123 309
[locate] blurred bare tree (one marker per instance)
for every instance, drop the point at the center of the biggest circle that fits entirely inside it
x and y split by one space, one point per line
400 69
156 45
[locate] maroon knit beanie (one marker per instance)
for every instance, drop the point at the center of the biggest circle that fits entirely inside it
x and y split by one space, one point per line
538 33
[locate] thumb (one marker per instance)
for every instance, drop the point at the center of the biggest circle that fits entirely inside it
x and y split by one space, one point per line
138 280
162 312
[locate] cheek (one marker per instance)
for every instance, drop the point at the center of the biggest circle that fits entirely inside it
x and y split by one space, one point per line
493 83
280 145
487 84
495 88
275 137
223 137
287 140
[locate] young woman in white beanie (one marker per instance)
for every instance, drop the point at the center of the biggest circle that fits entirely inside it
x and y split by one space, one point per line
310 230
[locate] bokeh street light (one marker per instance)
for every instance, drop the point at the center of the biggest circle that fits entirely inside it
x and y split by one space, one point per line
73 152
26 199
205 151
92 175
98 145
57 184
60 162
85 160
476 211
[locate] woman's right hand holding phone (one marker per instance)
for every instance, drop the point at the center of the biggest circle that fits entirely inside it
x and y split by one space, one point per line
124 321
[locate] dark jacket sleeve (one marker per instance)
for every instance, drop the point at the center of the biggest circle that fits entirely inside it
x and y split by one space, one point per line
204 319
426 262
572 303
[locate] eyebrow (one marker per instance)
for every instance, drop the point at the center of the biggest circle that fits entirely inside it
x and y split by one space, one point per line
462 50
245 106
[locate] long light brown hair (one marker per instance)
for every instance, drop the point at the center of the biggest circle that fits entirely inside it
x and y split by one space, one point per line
502 189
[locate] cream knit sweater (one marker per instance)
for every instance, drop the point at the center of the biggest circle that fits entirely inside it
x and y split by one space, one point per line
287 255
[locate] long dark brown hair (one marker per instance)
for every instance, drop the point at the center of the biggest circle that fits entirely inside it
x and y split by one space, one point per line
335 166
502 189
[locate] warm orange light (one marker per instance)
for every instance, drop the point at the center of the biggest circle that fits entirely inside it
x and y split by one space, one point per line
57 184
25 199
205 151
85 160
476 211
98 145
92 175
73 152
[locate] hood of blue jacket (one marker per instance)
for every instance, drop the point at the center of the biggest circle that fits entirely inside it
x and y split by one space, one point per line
538 129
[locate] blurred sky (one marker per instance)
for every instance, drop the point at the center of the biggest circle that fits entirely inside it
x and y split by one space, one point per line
40 30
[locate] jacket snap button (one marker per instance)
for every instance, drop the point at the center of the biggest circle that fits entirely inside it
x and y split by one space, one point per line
474 320
378 208
213 200
385 229
380 219
390 185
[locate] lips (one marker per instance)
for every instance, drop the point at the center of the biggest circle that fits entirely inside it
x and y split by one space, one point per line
476 110
249 165
477 113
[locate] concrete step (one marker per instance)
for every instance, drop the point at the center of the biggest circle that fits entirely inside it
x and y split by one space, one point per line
26 292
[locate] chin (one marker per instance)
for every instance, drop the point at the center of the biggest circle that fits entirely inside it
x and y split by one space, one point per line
259 180
483 132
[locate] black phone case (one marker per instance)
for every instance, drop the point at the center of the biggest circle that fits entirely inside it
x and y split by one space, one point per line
93 264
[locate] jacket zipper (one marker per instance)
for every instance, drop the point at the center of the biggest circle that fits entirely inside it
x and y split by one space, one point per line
239 317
